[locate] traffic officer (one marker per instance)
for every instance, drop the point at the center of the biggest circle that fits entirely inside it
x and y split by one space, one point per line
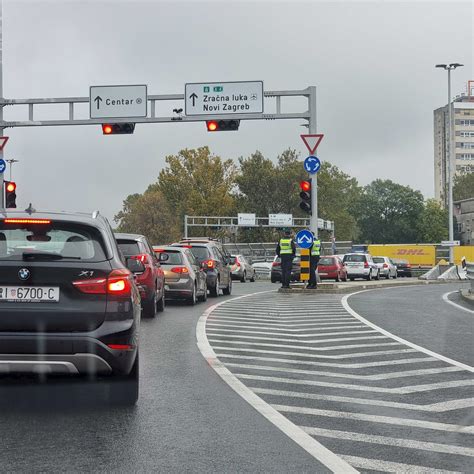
315 255
286 250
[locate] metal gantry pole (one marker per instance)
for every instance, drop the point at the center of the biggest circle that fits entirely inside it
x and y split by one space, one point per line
2 193
313 226
449 169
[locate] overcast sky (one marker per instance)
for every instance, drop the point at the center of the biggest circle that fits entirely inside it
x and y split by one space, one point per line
372 62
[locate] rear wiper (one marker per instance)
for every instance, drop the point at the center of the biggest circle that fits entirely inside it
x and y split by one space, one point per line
46 256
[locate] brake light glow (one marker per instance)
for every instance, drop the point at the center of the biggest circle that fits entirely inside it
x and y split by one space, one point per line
121 347
209 263
275 264
117 283
179 270
27 221
366 265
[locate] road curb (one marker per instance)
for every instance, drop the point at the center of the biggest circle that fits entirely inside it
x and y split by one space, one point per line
467 296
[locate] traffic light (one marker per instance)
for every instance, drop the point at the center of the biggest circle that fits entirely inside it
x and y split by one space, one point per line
222 125
117 128
10 194
305 196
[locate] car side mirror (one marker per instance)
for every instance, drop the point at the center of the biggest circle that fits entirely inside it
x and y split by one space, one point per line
135 266
163 257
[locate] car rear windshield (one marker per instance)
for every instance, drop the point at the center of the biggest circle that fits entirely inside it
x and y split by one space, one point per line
354 258
51 240
378 260
174 257
128 247
232 260
326 261
201 253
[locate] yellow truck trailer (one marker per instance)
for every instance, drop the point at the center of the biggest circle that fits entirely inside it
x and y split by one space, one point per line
419 255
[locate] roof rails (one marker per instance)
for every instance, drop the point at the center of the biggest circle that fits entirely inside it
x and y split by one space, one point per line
95 214
195 239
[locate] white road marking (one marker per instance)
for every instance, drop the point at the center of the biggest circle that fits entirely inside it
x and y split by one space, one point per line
216 328
309 444
452 303
352 355
289 346
432 408
384 376
362 388
330 364
399 339
390 441
387 466
284 327
390 420
218 332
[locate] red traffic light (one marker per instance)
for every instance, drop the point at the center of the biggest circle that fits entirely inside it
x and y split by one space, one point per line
305 186
107 129
122 128
211 126
11 186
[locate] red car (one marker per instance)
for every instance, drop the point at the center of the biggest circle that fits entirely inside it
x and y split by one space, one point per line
331 268
151 282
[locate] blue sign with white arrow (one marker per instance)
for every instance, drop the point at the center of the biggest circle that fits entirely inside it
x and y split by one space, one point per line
304 239
3 166
312 164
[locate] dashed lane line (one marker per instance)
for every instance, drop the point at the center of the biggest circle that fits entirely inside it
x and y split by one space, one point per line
216 332
307 442
440 407
289 334
308 326
390 420
345 303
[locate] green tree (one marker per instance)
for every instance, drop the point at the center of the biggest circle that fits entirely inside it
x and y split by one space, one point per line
463 186
195 182
149 214
433 223
388 212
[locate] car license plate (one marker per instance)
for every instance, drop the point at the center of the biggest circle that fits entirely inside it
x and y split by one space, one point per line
29 294
323 274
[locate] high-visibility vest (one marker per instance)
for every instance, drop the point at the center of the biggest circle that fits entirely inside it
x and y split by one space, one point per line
285 247
316 248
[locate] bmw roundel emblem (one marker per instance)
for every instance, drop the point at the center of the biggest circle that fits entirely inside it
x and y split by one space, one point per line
24 274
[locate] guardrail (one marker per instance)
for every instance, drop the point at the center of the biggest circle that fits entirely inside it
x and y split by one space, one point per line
470 274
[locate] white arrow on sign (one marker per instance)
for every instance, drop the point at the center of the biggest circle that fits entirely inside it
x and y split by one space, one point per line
303 239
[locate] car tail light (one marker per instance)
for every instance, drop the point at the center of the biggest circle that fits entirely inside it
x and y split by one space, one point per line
117 283
366 265
275 264
237 262
121 347
385 265
179 270
408 265
209 263
27 221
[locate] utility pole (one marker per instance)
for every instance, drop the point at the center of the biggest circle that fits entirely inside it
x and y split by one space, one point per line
449 157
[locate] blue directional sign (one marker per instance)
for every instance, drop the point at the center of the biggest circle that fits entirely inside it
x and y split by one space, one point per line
312 164
304 239
3 166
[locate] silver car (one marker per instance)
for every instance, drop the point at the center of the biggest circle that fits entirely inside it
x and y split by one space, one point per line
241 269
361 265
386 267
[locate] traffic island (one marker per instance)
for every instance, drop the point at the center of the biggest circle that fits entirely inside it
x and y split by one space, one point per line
467 296
350 287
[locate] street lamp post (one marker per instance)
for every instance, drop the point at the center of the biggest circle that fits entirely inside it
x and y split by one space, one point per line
449 160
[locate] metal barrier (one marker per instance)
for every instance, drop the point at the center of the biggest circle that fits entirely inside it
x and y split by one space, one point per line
470 274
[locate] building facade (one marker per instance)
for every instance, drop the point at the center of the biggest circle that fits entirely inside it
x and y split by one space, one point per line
464 215
463 144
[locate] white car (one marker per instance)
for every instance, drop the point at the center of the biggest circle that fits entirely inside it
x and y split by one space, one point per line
262 270
386 267
361 265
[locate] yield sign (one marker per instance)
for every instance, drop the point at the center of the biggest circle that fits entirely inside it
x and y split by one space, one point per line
3 142
312 141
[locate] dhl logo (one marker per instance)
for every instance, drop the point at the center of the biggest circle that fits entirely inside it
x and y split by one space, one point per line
411 252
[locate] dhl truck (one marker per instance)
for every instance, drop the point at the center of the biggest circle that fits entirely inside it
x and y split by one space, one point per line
416 255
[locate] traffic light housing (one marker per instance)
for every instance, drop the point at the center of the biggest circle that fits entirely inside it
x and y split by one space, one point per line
118 128
305 195
10 194
222 125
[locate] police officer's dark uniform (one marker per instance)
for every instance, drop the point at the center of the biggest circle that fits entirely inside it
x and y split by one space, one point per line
286 250
315 255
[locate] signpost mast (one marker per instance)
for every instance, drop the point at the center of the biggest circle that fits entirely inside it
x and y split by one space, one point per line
313 226
2 193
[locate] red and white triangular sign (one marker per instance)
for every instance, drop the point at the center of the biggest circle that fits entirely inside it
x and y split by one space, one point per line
3 142
312 141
